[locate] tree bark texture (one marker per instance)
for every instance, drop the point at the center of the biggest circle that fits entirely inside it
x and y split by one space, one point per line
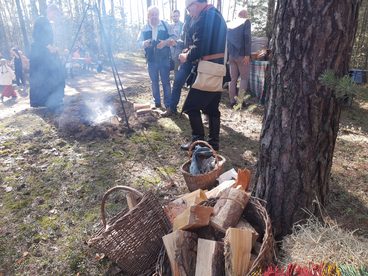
302 116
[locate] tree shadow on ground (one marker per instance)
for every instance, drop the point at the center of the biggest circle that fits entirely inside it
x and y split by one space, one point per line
347 210
232 144
355 116
349 179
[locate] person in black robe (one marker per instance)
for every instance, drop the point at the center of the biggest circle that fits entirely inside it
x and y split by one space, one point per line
47 76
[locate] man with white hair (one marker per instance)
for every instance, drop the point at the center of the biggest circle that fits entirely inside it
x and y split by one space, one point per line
209 38
156 37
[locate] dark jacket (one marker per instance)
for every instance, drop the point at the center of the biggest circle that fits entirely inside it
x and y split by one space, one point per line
239 40
152 53
47 76
46 72
209 35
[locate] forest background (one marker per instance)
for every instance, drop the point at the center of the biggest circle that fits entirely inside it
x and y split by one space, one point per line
124 18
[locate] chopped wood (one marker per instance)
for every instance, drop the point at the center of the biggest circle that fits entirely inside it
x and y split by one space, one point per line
193 217
178 206
215 192
181 248
143 111
208 233
238 246
138 106
229 208
243 179
243 224
210 258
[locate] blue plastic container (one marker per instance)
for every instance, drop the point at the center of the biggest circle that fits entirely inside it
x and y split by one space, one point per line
358 76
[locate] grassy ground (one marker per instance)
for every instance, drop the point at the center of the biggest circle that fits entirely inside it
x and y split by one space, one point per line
52 182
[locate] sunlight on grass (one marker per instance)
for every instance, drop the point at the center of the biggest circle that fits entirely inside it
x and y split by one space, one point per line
170 125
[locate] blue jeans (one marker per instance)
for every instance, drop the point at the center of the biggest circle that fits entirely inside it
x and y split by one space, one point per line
162 70
179 81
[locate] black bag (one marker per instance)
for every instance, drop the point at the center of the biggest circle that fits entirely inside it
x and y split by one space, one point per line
227 77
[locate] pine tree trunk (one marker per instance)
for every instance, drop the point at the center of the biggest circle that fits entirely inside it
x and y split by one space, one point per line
43 7
234 9
270 16
302 116
4 46
34 10
112 8
22 26
219 5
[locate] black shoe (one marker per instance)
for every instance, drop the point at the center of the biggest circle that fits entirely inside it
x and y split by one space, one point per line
214 145
168 113
185 146
158 105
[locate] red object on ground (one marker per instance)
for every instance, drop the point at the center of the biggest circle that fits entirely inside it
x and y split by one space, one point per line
8 91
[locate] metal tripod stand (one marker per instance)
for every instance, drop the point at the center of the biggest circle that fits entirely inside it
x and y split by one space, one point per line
118 83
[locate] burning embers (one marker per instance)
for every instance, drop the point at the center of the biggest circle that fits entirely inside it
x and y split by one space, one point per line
93 118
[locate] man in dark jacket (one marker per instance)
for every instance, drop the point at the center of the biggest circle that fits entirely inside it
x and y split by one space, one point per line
209 38
239 48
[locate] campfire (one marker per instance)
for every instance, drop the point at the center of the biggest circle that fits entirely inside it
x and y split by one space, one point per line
92 118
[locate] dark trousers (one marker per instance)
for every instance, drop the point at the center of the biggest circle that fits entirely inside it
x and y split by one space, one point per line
208 103
19 78
179 81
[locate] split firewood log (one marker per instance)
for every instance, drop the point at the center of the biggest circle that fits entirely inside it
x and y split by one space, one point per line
193 217
215 192
243 178
210 258
138 106
181 248
229 208
243 224
178 206
238 246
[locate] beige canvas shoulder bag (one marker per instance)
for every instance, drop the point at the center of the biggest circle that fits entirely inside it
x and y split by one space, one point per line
210 74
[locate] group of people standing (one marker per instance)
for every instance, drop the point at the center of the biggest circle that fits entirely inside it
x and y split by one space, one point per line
46 71
13 70
205 36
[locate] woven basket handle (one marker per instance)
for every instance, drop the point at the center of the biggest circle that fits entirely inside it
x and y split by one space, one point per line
192 145
104 198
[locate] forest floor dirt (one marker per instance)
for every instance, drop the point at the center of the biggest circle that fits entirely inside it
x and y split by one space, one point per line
55 169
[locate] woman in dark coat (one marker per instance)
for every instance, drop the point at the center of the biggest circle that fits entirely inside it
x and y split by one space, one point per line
47 76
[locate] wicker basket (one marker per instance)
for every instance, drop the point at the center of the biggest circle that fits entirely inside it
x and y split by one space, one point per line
132 238
206 180
256 214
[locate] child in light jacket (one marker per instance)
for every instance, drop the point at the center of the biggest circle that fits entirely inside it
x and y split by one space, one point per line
6 79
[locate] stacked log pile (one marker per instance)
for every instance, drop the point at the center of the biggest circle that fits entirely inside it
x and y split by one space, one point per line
212 240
